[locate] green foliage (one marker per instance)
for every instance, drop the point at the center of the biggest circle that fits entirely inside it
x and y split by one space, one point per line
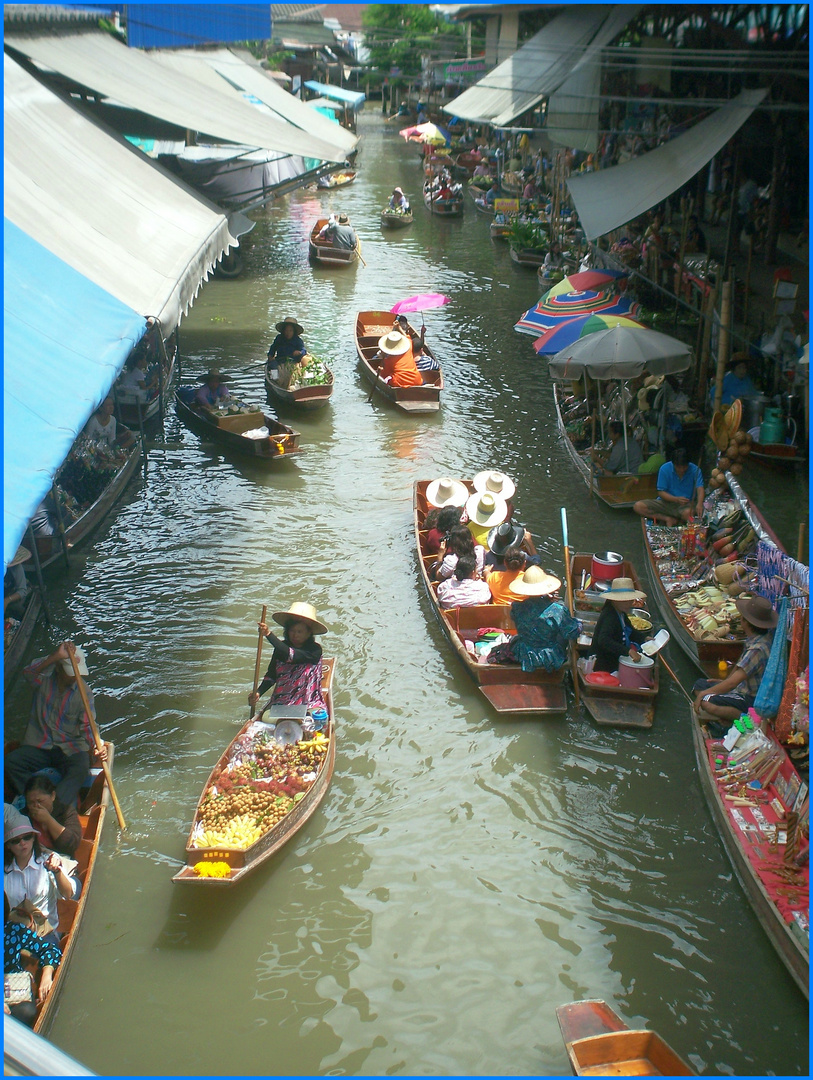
523 236
397 35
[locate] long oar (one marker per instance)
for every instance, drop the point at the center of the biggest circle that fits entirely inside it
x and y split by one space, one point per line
573 647
97 737
257 663
358 252
683 689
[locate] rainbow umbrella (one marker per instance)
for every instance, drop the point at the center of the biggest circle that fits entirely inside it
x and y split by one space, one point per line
425 133
551 310
565 333
585 279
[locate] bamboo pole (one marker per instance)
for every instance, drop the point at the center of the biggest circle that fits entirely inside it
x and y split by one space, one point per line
258 660
574 671
723 344
708 321
748 281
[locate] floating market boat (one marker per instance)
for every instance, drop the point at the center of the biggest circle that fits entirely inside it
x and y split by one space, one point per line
448 206
479 200
395 219
775 877
248 431
267 783
610 705
132 412
17 640
336 180
372 325
324 253
507 687
94 801
533 257
617 492
599 1043
312 392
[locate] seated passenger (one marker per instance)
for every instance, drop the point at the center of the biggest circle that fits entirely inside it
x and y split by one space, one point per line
57 825
447 492
398 366
16 939
614 635
544 625
616 461
485 511
464 589
399 201
441 527
500 580
504 538
102 427
295 670
213 392
134 378
341 234
459 544
34 880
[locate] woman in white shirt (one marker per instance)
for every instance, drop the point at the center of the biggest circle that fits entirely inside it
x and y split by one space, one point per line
31 874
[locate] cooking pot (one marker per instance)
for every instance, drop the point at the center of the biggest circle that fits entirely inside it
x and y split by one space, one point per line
752 411
606 565
636 675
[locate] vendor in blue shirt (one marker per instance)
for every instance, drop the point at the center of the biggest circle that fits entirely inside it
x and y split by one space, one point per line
680 492
737 383
287 347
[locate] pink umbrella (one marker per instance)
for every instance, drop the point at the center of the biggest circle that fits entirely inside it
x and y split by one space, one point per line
421 302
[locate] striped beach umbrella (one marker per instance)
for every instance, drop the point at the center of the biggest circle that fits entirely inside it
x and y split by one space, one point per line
565 333
552 310
585 279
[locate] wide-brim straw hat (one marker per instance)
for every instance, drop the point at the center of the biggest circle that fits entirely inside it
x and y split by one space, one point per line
623 588
758 611
280 326
496 483
446 492
301 612
504 536
733 416
484 508
535 582
718 431
394 343
211 374
21 555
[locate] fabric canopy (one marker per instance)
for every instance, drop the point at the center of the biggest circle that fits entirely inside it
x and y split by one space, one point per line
101 207
610 198
140 81
542 64
64 342
337 93
623 352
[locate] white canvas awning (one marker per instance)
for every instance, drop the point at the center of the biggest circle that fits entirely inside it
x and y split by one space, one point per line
610 198
99 205
542 64
140 81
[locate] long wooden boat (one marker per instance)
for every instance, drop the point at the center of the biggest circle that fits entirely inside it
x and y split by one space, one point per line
782 911
447 207
79 531
479 200
235 862
336 180
324 253
129 410
705 652
303 397
93 805
528 256
507 687
610 706
617 492
396 219
372 325
14 652
599 1043
232 432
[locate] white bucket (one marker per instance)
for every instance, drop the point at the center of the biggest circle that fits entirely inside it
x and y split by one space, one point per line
636 675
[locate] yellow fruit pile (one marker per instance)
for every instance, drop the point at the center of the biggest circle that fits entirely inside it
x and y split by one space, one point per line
238 832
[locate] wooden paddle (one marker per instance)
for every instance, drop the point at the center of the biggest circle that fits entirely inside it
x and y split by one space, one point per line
569 582
97 737
361 257
685 692
257 663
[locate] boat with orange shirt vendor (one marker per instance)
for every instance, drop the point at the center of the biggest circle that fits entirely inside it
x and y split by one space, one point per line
396 362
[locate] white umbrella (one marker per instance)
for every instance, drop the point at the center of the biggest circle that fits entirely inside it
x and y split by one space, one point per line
623 352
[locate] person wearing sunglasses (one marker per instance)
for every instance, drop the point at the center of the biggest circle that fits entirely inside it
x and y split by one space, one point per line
33 879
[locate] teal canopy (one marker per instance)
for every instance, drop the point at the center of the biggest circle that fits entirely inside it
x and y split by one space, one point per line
64 340
337 93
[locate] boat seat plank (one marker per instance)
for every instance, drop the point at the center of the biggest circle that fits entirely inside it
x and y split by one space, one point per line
526 697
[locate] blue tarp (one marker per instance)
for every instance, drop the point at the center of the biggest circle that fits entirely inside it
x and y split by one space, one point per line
64 340
174 26
337 93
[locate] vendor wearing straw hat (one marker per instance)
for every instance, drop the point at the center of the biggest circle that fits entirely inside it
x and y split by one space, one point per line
726 699
15 585
286 350
396 360
399 201
614 635
544 625
213 391
295 670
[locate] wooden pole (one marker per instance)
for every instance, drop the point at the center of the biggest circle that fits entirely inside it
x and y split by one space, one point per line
100 748
748 281
592 450
723 344
574 670
685 210
35 555
708 322
258 661
800 546
685 692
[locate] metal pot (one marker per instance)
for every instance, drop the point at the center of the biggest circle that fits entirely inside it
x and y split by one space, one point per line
606 565
752 411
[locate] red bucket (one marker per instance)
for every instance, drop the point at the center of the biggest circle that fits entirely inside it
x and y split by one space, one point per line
606 565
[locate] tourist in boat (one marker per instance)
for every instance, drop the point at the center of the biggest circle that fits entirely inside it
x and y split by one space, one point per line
486 509
102 427
423 360
16 940
447 492
15 585
439 530
459 544
620 459
397 363
506 537
295 670
58 735
544 625
57 824
399 201
726 699
213 392
614 635
465 588
680 491
34 880
285 351
341 233
500 578
134 378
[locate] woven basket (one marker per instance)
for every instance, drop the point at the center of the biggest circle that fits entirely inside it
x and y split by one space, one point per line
733 418
718 431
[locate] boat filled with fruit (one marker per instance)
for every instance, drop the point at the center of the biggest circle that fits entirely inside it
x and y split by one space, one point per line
265 786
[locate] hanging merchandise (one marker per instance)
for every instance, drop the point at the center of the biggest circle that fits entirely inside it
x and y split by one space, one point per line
769 695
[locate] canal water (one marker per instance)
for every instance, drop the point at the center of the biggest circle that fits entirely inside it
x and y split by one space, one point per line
465 874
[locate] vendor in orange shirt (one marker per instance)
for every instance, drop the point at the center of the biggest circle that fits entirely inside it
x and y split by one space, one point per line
396 362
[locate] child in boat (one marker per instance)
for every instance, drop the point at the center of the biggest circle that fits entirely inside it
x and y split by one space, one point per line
295 670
